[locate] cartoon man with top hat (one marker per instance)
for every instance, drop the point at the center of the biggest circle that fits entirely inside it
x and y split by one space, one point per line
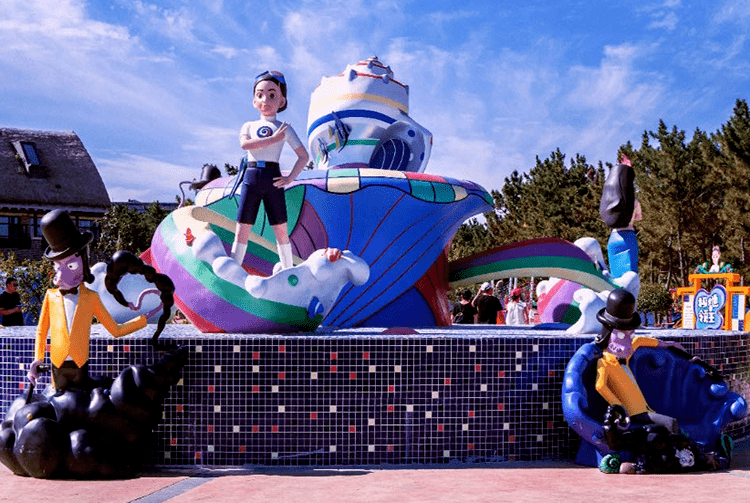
614 380
67 311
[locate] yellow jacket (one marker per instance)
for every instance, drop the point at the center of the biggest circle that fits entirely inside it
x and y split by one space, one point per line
76 344
614 384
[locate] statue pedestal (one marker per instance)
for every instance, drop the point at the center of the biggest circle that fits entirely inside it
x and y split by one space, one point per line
358 397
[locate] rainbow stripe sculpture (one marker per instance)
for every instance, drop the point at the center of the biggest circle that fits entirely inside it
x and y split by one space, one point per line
543 257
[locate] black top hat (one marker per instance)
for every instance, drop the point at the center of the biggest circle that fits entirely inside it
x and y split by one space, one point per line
63 236
619 315
209 173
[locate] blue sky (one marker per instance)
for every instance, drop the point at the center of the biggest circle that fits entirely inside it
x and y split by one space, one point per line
155 89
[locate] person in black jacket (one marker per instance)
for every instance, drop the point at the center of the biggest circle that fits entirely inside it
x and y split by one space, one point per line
10 304
464 313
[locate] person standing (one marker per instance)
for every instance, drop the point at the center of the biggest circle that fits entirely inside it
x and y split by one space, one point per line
487 304
464 313
516 309
10 304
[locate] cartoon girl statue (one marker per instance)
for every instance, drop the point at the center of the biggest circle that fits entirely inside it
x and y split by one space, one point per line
717 266
260 173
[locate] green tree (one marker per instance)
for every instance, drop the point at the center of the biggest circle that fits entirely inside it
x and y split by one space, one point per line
124 228
228 168
472 237
654 298
680 197
729 154
552 200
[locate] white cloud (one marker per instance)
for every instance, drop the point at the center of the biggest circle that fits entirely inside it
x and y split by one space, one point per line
440 18
663 15
136 177
667 20
174 24
733 11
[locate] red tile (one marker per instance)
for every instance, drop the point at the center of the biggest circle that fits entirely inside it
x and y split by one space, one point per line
391 388
365 355
501 374
390 448
282 349
550 424
334 368
352 375
242 448
256 356
255 428
500 406
334 356
477 368
282 375
447 381
197 455
440 427
390 408
470 446
256 389
471 413
274 429
172 441
352 429
179 408
210 428
126 349
211 389
511 439
313 415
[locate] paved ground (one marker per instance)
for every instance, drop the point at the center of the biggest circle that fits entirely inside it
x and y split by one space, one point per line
506 482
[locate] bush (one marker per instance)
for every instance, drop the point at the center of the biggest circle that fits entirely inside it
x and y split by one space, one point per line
654 298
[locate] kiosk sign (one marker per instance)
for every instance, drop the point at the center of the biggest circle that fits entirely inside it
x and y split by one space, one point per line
708 308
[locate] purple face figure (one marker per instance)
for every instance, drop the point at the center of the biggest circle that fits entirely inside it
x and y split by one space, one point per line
68 272
621 343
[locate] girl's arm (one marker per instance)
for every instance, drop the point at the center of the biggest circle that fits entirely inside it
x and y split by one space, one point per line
247 143
302 158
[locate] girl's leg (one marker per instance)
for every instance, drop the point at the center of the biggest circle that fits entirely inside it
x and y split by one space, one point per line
239 247
283 245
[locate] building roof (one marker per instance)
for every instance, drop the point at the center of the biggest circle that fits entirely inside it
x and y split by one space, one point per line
48 169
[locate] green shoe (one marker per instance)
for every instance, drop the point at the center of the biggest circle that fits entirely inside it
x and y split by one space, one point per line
610 463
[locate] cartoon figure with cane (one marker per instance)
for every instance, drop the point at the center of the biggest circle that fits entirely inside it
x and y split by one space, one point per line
67 312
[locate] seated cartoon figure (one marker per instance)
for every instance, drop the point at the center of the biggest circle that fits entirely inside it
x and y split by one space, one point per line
614 380
624 394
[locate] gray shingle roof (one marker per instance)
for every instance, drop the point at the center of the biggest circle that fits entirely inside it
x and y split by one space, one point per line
70 176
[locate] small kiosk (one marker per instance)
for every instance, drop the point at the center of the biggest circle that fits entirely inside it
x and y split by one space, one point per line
722 308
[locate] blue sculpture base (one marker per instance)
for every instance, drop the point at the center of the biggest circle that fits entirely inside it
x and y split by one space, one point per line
358 397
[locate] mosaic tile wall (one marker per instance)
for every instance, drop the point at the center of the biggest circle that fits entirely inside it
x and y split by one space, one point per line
359 397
